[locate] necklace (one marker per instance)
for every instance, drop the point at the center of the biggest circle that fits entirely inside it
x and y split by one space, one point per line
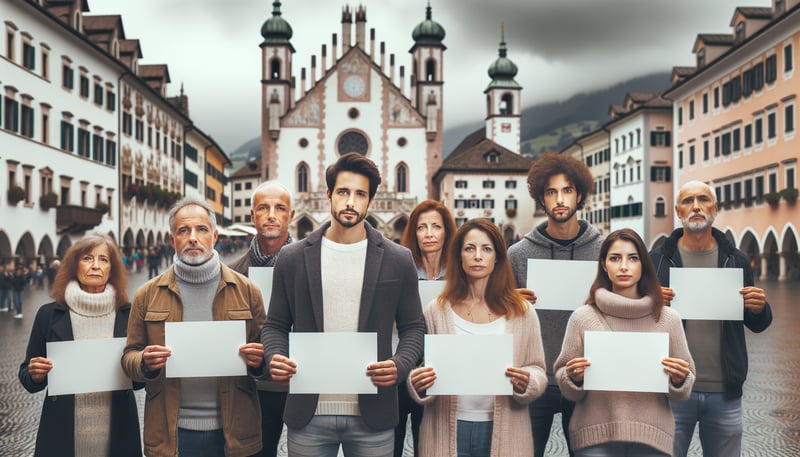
471 306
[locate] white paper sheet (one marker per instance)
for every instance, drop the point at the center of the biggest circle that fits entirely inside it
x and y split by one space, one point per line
262 278
707 293
470 364
208 348
626 361
85 366
429 290
332 363
561 284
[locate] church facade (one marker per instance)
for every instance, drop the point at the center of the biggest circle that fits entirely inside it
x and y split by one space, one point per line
356 104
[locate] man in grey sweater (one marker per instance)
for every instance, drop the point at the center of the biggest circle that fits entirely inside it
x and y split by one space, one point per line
560 185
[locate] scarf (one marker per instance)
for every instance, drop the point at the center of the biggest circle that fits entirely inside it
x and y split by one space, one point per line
259 260
85 304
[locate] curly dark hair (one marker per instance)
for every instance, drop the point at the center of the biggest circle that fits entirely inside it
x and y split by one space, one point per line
551 164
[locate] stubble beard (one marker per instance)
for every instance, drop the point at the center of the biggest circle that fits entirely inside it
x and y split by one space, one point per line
561 218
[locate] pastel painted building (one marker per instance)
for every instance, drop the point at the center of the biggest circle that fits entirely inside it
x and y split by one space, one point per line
352 100
735 128
640 174
244 182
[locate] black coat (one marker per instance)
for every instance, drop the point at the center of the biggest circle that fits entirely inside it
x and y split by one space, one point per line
56 435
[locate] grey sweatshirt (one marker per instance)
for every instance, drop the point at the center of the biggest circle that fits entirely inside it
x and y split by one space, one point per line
535 245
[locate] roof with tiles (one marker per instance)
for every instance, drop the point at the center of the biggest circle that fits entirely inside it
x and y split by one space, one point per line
248 170
471 155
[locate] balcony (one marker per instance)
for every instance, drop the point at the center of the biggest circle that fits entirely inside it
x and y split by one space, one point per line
76 219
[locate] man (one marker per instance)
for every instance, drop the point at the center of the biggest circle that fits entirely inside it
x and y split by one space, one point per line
271 214
195 416
559 184
345 277
153 262
718 347
6 281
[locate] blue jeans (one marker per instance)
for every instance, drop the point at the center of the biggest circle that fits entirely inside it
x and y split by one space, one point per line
5 298
201 443
616 449
542 411
323 435
474 439
721 424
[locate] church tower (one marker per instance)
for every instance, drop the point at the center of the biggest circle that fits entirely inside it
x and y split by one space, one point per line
503 105
427 86
276 84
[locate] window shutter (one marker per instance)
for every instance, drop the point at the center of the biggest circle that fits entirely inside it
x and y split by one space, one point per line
667 136
668 174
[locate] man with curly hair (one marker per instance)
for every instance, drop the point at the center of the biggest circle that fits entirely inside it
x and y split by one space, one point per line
559 184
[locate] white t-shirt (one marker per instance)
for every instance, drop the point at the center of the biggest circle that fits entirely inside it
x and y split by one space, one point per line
477 408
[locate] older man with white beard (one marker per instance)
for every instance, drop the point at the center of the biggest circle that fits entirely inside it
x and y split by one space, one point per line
718 347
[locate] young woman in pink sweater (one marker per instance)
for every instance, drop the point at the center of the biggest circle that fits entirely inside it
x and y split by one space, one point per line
625 296
480 298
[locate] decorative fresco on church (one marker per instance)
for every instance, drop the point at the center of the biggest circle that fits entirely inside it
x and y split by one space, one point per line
307 113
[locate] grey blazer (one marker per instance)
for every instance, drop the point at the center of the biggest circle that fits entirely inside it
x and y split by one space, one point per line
390 294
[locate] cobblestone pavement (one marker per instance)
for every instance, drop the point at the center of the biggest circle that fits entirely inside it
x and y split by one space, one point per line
771 401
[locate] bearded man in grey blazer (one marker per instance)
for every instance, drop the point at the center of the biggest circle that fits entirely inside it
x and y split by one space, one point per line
345 277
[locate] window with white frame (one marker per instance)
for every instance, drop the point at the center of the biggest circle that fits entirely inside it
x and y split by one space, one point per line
788 117
660 207
788 58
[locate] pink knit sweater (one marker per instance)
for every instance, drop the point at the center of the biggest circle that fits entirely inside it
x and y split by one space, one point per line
638 417
511 432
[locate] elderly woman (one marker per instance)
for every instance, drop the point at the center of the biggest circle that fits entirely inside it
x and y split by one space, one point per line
427 235
480 298
90 301
625 297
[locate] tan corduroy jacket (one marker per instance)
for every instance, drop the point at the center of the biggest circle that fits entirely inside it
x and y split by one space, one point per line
158 301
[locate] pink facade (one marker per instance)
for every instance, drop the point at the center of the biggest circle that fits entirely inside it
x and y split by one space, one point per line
735 128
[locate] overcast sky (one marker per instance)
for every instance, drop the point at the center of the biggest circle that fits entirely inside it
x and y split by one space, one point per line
561 47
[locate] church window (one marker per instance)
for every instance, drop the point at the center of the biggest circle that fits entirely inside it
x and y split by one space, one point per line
430 70
402 178
302 178
275 69
303 142
506 104
353 141
353 113
402 141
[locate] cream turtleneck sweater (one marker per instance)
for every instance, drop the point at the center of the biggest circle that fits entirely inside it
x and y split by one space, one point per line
604 416
92 316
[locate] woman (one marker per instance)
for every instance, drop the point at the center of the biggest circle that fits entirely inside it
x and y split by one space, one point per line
480 298
90 302
625 296
427 235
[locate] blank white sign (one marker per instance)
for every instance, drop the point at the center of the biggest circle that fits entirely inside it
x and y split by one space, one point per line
332 363
207 348
626 361
561 284
707 293
73 360
262 278
470 364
